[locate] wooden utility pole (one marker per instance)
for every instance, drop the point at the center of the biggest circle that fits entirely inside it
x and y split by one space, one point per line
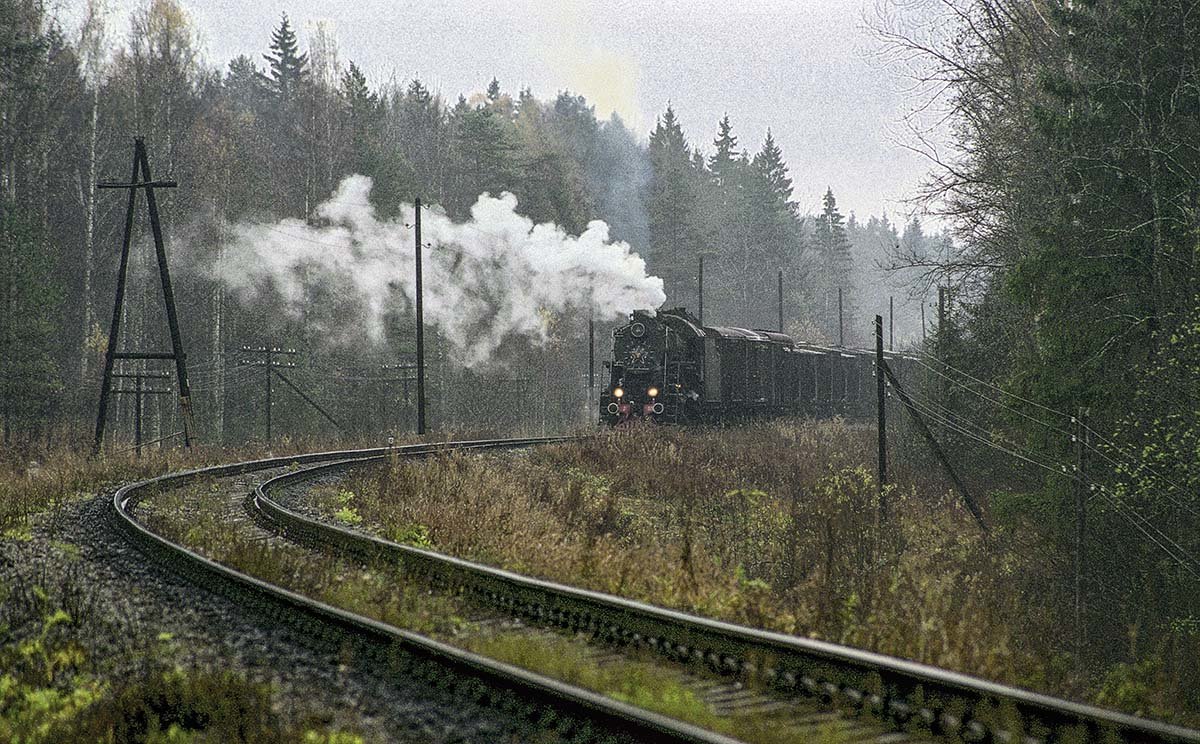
268 362
1080 435
880 395
591 375
139 391
700 288
841 324
922 320
941 310
420 328
140 178
781 300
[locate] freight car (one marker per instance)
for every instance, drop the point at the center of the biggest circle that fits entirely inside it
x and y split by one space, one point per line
667 367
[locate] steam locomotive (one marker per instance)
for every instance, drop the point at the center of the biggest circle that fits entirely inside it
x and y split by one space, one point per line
669 368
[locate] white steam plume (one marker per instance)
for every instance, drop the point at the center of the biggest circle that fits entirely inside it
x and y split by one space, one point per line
485 280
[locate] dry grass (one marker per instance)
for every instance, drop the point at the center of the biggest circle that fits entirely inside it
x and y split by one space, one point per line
195 516
775 525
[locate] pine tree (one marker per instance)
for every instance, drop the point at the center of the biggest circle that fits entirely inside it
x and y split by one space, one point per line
362 117
355 92
244 84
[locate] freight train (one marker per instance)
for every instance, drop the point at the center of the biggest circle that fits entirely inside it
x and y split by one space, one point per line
667 367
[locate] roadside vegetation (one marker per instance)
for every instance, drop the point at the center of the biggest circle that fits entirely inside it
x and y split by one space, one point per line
775 525
65 660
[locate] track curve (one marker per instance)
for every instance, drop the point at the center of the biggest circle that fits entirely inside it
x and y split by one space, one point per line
947 704
482 679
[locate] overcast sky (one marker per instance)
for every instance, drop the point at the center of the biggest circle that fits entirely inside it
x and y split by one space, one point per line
805 68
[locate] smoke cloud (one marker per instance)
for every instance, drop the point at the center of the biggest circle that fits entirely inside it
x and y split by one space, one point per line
489 279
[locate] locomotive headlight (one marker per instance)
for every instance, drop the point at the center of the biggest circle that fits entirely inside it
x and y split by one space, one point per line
618 392
652 392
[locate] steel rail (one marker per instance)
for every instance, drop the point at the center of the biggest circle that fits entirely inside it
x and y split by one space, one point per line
946 703
484 680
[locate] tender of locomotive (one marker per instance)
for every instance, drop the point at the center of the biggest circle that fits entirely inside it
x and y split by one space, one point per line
667 367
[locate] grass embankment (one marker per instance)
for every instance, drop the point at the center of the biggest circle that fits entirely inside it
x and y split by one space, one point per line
774 525
59 679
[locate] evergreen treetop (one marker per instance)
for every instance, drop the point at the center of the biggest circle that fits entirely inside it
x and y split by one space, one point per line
288 67
667 137
771 168
723 160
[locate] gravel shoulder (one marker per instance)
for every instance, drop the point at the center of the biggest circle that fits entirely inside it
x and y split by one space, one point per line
130 615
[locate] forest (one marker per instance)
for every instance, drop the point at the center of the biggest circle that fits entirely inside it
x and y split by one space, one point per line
269 138
1067 337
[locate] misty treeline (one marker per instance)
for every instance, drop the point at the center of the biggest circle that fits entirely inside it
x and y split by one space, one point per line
269 137
1072 181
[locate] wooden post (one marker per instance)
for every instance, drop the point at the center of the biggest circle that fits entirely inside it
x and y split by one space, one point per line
781 301
880 394
420 328
268 363
137 415
270 406
160 250
700 287
941 310
114 328
591 375
841 326
922 320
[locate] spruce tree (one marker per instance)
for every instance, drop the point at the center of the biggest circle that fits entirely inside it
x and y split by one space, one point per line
769 165
834 271
723 161
288 67
672 207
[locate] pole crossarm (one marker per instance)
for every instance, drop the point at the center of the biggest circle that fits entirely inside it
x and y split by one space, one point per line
160 184
144 355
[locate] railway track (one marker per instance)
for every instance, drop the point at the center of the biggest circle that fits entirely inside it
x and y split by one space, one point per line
858 696
565 712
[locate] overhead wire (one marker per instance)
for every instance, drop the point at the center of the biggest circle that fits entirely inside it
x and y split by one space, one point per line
963 425
935 416
992 386
966 421
1116 463
1183 558
1013 409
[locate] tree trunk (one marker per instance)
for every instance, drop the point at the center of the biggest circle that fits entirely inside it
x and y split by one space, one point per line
218 346
89 234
